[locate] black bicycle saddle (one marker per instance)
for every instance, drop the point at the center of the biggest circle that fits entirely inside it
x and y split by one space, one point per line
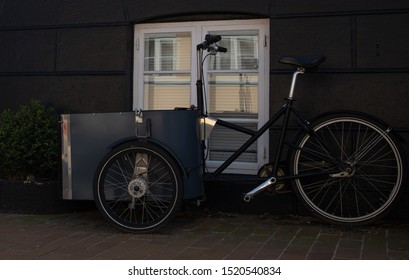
309 61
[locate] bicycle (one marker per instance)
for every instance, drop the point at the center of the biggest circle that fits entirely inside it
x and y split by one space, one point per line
346 167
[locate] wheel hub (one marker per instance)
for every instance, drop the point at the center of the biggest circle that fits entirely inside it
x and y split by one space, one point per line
137 187
348 171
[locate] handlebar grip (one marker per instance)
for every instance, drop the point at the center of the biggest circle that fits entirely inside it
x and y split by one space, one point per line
221 49
212 38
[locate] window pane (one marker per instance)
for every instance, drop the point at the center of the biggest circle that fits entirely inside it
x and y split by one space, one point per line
242 51
234 95
233 92
166 91
167 51
224 142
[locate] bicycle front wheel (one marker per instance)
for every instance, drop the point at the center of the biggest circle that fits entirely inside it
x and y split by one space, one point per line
357 169
138 187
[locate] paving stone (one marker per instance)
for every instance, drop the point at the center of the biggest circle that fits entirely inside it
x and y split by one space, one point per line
348 253
350 244
223 236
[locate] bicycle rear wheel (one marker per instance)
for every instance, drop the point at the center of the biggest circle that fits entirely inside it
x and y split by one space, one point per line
363 169
138 187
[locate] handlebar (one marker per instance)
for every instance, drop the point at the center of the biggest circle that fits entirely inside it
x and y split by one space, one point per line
210 45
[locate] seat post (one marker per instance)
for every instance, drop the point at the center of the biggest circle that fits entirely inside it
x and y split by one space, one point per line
300 70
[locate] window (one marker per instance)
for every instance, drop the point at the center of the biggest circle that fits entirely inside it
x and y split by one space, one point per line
166 70
236 82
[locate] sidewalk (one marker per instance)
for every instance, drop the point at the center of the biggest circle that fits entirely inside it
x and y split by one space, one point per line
198 236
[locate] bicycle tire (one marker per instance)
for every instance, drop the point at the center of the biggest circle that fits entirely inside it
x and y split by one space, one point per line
138 187
364 164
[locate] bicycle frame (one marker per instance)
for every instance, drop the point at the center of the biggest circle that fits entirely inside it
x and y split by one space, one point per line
285 112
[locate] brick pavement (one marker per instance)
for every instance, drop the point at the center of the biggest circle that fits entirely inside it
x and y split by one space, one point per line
199 236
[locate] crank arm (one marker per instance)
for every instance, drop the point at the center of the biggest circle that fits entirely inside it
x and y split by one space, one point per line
248 196
271 181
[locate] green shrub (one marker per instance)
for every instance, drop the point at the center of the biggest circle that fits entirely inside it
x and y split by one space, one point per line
28 143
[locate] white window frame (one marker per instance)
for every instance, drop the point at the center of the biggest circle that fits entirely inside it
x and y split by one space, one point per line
198 30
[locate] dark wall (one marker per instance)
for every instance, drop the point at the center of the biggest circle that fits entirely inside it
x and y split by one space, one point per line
367 68
367 59
78 54
75 55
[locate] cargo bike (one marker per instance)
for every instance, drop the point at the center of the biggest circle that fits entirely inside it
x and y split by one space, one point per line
345 167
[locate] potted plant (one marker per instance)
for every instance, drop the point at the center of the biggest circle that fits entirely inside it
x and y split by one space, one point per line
29 160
